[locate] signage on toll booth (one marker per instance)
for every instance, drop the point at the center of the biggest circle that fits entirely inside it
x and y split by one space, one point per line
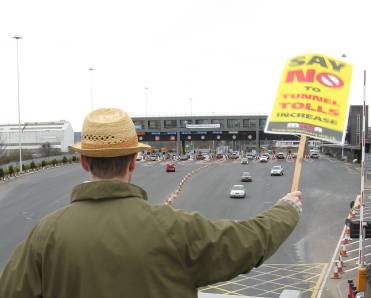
312 98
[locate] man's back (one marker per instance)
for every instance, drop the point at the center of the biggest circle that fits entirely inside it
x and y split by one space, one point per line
110 242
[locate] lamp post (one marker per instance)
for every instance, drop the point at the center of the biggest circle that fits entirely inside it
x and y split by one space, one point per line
17 38
146 100
91 87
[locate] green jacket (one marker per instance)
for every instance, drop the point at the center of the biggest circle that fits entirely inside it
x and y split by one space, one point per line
111 243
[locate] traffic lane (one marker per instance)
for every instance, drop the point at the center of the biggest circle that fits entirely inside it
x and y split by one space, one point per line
208 193
152 177
25 200
328 188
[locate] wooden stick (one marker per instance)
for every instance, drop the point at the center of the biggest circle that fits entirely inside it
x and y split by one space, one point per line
299 162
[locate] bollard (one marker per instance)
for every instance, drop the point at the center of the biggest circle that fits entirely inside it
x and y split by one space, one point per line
361 279
368 281
350 290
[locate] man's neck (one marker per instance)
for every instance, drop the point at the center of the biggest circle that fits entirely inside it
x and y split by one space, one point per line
119 178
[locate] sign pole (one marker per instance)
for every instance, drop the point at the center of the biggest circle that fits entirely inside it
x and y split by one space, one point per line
361 255
298 164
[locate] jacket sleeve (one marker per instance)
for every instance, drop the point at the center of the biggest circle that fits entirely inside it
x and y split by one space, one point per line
21 277
220 250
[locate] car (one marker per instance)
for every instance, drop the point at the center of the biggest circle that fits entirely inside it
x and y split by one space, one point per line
280 155
250 156
200 157
170 167
219 156
244 161
246 177
237 191
153 157
184 157
234 155
314 155
263 158
293 125
277 170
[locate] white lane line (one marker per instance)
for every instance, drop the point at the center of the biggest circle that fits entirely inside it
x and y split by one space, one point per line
329 265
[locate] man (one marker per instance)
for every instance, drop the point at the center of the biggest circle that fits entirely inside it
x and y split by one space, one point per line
110 242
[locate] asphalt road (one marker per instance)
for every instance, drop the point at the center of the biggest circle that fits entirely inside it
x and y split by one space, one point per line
327 185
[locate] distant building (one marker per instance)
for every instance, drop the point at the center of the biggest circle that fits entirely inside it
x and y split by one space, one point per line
58 135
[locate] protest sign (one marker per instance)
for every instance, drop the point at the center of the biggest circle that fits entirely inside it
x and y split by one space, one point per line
312 98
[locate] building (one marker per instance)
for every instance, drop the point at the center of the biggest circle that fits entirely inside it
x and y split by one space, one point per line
243 133
186 133
352 145
57 135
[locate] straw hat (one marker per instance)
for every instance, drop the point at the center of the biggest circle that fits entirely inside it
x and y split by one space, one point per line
108 133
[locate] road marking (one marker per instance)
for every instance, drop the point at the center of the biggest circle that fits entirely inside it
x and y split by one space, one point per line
272 279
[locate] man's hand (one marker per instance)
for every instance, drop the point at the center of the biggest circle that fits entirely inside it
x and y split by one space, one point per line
294 198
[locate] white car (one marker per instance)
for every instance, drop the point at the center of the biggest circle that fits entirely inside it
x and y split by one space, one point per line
263 158
293 125
277 170
244 161
238 191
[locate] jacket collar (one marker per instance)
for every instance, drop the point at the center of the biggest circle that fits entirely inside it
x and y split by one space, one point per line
106 189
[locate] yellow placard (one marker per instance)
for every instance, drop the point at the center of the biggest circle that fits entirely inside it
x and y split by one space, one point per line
312 98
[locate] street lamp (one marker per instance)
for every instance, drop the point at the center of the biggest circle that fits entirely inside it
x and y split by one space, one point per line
17 38
91 87
146 100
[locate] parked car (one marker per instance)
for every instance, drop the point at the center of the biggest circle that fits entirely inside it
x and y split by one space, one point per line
244 161
280 155
170 167
246 177
277 170
219 156
263 158
238 191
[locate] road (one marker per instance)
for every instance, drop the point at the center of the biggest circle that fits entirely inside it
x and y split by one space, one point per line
327 185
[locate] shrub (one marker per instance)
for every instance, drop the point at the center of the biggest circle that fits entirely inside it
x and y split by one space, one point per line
74 158
43 163
16 169
11 170
54 162
1 173
32 165
64 160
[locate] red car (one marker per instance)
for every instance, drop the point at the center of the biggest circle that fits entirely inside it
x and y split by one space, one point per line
170 167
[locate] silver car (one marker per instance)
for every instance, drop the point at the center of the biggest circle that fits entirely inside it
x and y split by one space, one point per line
244 161
238 191
277 170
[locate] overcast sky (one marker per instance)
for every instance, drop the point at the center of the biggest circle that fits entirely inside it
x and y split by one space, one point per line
227 55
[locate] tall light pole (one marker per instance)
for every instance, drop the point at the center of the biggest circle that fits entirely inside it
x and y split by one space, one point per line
146 100
17 38
91 87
